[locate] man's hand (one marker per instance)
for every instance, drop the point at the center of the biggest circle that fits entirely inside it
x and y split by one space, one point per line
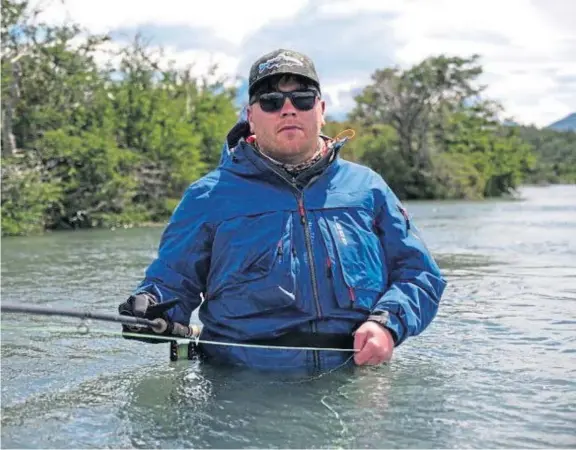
136 306
144 305
373 344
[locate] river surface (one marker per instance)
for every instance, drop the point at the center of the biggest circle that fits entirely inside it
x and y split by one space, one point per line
496 369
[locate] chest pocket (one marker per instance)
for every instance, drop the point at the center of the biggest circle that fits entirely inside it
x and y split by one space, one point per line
357 258
250 249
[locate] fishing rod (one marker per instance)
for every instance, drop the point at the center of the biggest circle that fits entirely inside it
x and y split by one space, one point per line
157 325
190 333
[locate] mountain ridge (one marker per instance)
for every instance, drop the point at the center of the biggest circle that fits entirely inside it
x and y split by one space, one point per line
567 123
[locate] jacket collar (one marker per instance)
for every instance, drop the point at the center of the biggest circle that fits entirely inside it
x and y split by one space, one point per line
241 157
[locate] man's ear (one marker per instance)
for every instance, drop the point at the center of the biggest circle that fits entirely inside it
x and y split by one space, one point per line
323 106
249 119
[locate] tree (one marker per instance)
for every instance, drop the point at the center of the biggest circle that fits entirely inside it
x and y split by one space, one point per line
494 156
412 101
96 145
449 140
555 153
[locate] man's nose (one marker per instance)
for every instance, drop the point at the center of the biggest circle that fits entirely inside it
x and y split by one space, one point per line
288 108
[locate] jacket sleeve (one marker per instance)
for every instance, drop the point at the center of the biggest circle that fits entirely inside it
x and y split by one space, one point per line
181 267
415 283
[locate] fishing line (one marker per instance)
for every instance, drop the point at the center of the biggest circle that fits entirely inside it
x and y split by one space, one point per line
83 329
179 332
333 411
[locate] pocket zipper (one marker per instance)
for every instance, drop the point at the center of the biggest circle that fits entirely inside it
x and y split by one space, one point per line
352 295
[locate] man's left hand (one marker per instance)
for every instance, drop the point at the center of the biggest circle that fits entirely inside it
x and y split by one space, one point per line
373 344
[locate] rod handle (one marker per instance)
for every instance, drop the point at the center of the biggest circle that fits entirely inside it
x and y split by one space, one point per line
188 331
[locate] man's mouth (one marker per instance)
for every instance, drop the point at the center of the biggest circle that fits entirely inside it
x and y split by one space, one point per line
289 128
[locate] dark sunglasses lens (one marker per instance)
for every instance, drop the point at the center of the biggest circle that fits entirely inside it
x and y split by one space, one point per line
271 102
304 101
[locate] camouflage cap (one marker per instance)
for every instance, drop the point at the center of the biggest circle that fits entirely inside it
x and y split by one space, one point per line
282 62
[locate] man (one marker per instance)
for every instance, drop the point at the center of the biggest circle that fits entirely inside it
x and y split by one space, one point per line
290 245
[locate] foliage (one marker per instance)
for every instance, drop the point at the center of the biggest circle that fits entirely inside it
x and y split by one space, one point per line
91 145
449 143
353 150
25 197
555 153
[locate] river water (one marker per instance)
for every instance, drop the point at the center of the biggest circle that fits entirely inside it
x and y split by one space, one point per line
496 369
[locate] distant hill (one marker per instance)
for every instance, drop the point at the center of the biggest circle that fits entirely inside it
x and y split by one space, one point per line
568 123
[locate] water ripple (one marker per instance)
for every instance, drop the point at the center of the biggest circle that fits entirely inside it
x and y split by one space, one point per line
496 369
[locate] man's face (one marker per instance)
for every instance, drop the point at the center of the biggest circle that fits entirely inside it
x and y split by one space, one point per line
289 134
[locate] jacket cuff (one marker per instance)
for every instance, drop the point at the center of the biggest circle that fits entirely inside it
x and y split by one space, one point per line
395 326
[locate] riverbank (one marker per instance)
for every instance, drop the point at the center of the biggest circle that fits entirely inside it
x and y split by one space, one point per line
513 196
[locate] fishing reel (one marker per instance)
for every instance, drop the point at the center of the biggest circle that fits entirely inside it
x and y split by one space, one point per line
178 350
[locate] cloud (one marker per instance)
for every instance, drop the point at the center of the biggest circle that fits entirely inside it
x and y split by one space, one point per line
198 48
520 49
178 37
346 46
229 20
528 47
558 13
471 37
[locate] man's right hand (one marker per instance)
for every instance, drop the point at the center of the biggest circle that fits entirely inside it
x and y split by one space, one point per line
138 306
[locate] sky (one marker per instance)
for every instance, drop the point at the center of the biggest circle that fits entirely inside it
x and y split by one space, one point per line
527 47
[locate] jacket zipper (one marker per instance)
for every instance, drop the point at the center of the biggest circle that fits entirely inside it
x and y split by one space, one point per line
308 239
316 295
309 248
351 292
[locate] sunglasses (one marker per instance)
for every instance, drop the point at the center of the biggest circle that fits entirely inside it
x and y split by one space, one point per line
274 101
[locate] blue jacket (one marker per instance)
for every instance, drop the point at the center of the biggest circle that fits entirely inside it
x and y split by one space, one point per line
269 257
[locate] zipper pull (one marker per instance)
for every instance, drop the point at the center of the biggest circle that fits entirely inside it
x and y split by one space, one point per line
301 211
280 250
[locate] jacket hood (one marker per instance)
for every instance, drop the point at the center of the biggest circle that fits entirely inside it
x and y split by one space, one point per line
241 130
